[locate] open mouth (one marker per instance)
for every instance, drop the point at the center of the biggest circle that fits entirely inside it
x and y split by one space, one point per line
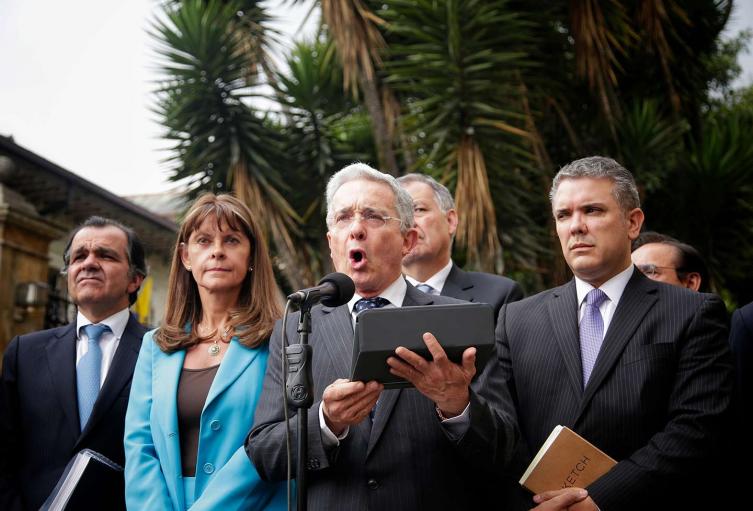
357 255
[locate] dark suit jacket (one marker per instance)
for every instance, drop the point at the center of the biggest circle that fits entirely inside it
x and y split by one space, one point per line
479 287
657 400
39 424
405 460
741 342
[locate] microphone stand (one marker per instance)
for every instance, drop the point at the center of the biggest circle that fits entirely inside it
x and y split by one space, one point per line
300 395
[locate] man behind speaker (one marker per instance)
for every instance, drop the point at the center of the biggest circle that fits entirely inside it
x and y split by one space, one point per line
66 389
429 263
663 258
428 447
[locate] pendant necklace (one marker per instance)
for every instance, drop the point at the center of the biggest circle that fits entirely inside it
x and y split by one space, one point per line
214 348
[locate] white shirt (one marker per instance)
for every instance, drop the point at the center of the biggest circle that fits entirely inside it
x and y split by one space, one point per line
108 342
436 281
395 294
613 288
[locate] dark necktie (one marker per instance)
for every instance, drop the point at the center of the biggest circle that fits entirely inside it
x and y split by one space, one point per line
89 372
591 331
376 302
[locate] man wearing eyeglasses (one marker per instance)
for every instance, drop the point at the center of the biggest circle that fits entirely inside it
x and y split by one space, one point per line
429 265
663 258
430 447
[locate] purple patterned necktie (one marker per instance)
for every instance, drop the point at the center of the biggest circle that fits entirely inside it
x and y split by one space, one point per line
591 331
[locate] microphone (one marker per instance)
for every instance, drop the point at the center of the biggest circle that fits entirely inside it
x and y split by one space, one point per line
333 290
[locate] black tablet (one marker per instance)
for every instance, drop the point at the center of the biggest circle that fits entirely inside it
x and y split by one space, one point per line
456 327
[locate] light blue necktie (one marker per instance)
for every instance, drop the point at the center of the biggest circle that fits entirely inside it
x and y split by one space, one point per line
88 373
426 288
591 331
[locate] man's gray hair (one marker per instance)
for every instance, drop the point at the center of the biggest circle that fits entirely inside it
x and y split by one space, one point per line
355 171
625 191
442 195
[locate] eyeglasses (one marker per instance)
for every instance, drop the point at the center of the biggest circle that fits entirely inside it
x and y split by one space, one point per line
651 270
372 219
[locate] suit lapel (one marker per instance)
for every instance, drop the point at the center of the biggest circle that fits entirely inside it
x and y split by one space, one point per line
388 399
119 374
637 299
61 361
236 360
336 331
563 315
166 369
458 285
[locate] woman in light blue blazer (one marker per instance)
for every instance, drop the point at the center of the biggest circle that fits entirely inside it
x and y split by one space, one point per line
199 376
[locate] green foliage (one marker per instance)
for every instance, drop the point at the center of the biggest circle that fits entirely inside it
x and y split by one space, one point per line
325 130
517 88
203 100
650 143
708 201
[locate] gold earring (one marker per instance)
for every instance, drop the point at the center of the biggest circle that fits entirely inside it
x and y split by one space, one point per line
188 268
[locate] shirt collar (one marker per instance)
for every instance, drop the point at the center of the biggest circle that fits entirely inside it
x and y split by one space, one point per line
437 280
395 293
117 322
613 287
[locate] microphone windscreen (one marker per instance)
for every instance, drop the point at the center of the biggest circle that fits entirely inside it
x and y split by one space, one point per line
344 289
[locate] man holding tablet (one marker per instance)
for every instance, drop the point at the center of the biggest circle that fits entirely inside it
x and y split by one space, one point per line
433 446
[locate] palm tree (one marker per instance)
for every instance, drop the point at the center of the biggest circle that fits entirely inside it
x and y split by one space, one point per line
220 142
327 130
457 66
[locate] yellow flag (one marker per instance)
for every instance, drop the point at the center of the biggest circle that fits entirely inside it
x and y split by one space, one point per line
142 307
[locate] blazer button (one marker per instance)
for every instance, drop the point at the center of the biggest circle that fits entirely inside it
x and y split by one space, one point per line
314 464
372 483
215 425
208 468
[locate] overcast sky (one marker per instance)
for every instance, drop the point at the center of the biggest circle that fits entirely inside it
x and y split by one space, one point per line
75 82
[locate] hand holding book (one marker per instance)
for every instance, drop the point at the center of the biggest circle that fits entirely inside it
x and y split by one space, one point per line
565 460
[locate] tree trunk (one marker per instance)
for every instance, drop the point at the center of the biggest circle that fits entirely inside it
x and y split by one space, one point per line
382 139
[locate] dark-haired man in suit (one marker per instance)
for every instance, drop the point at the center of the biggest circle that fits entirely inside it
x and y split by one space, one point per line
666 259
66 389
429 266
428 447
638 367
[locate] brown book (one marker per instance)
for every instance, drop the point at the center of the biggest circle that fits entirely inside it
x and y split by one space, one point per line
566 459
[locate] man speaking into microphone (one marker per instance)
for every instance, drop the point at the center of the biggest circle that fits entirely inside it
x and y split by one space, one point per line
433 446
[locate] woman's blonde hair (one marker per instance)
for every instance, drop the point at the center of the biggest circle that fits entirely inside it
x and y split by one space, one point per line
258 307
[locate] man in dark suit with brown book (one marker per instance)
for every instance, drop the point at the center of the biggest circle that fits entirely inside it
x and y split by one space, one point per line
639 368
66 389
429 265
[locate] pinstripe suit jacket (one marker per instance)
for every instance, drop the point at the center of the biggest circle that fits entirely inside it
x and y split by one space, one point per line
480 287
405 460
657 399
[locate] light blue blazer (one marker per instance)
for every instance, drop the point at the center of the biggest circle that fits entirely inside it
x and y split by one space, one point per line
225 477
